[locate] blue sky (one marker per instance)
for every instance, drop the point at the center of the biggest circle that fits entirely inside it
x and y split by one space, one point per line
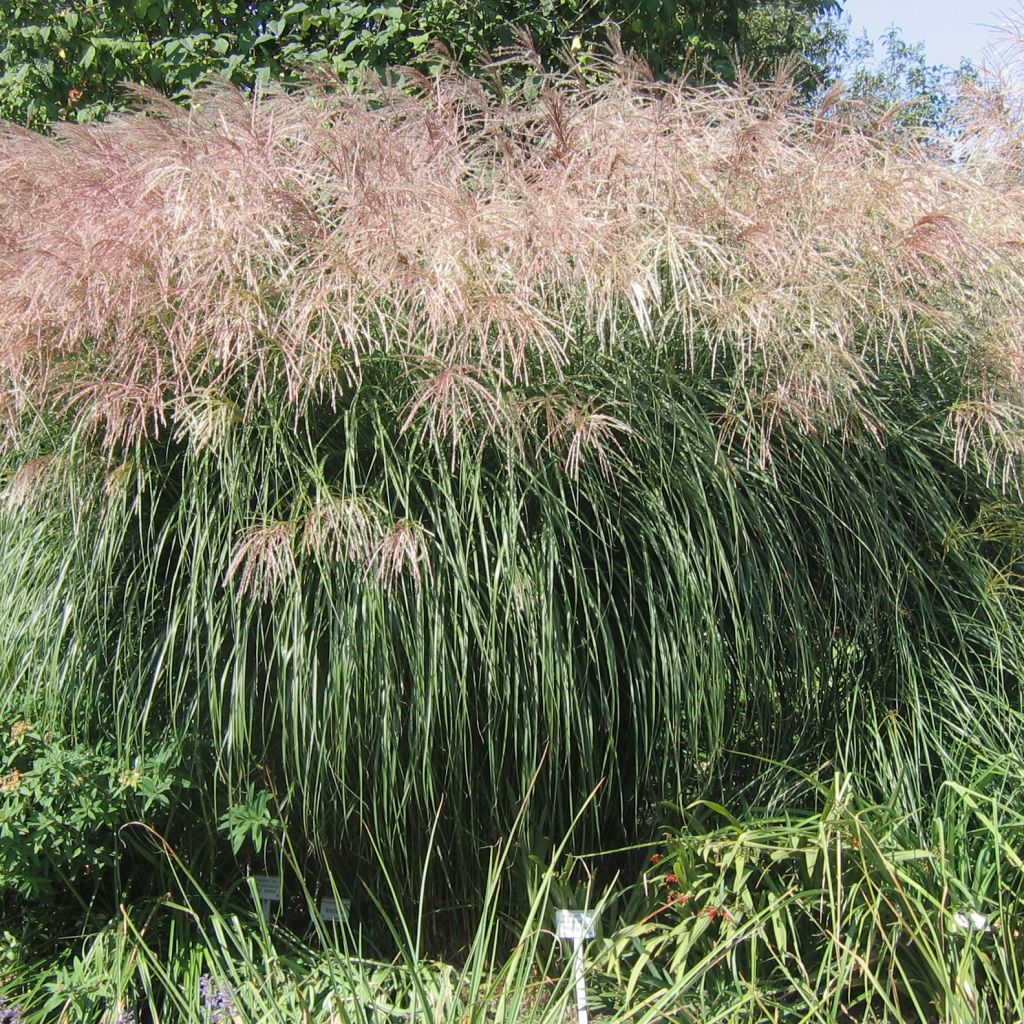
949 29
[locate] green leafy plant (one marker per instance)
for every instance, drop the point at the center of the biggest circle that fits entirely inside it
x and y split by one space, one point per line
415 451
899 81
250 820
837 911
63 807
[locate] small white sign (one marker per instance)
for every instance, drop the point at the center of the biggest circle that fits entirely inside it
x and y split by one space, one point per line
268 888
332 910
576 925
972 921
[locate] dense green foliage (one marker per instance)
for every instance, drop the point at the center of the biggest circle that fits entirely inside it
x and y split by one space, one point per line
61 60
65 813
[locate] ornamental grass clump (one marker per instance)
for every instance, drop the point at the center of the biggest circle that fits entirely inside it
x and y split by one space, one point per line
385 447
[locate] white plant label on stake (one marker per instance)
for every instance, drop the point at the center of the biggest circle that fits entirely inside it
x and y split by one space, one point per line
268 888
332 910
576 926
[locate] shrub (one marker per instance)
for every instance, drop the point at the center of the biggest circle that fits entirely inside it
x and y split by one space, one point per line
65 810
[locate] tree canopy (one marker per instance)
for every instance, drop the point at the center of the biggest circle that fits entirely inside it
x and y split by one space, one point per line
65 61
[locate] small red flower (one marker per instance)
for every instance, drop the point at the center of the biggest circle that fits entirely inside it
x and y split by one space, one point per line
74 95
655 857
670 878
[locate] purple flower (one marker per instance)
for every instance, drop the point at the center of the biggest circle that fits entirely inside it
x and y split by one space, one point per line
10 1014
217 1002
126 1017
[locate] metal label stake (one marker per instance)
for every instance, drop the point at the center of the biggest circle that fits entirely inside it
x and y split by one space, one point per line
577 926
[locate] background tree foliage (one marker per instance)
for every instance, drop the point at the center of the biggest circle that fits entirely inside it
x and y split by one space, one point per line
897 75
64 60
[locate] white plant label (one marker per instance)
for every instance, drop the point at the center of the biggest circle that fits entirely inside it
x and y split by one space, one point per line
972 921
268 888
576 925
332 910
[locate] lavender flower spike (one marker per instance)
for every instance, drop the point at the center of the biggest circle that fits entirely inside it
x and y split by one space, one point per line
217 1001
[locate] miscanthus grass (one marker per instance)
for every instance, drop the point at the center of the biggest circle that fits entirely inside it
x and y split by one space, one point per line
389 448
